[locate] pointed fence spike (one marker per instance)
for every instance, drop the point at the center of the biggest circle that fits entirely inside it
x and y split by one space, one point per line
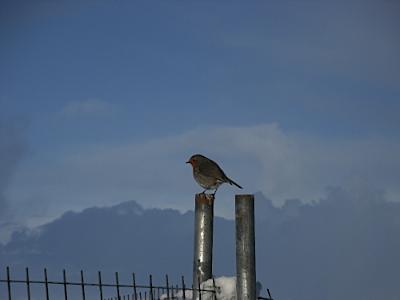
65 284
269 294
46 284
100 286
83 286
166 280
134 285
199 282
215 288
151 287
183 288
117 284
28 282
8 282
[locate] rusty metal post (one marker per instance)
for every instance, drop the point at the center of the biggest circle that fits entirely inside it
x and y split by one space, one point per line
203 240
245 248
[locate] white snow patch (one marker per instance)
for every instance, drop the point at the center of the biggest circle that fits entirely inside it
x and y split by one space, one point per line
225 288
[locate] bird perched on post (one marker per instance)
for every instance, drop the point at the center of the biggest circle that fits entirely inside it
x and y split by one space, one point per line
208 174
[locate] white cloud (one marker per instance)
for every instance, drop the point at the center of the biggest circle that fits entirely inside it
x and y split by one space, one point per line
87 107
260 158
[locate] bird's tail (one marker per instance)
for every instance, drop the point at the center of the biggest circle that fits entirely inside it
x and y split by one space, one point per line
234 183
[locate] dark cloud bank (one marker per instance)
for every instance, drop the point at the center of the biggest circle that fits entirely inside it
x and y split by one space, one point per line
346 246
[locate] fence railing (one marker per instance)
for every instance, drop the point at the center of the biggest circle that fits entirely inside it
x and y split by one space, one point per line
29 289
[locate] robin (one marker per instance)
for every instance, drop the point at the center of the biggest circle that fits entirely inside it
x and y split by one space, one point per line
208 174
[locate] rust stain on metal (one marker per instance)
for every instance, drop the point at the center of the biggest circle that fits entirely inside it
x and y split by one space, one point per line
205 198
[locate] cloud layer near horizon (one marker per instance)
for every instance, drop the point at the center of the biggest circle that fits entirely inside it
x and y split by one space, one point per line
346 246
261 158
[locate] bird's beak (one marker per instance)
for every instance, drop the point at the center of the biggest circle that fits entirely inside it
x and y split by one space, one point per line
188 162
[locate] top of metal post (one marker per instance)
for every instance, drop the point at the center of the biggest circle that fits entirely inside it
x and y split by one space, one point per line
205 198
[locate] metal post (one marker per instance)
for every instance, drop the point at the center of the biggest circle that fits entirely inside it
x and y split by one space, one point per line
245 248
203 240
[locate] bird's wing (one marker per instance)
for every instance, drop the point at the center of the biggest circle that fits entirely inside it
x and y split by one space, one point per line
211 169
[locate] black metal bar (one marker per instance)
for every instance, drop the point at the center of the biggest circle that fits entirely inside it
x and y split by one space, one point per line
8 283
151 287
215 288
117 282
65 285
183 288
50 282
134 285
166 280
83 286
140 295
46 282
199 282
28 284
269 294
172 291
100 286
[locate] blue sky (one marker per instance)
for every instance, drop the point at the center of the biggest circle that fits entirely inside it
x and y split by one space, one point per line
110 97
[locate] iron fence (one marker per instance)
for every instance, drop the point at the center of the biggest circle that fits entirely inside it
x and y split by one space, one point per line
29 289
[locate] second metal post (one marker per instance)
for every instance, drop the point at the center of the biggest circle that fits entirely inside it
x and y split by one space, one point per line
245 248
